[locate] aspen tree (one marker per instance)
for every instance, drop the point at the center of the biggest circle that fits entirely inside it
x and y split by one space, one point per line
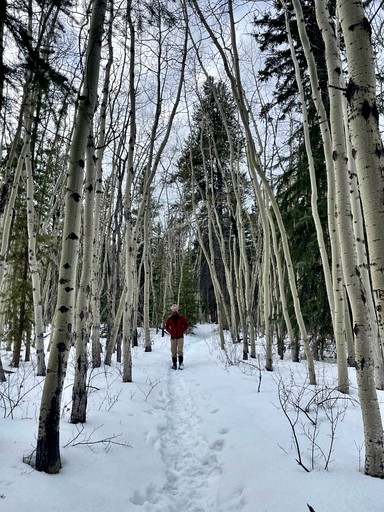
113 244
361 245
90 250
368 155
48 448
333 282
344 213
233 72
282 294
134 227
34 268
147 280
367 146
130 240
97 232
82 324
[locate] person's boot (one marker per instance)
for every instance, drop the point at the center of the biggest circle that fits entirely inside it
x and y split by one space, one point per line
174 363
181 364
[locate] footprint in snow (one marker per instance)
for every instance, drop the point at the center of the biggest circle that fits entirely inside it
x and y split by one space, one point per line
192 467
192 470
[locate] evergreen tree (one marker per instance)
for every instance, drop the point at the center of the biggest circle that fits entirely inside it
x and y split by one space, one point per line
17 295
204 172
188 301
293 188
270 34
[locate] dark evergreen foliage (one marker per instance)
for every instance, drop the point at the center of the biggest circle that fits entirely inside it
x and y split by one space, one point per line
37 59
17 303
204 173
293 188
270 33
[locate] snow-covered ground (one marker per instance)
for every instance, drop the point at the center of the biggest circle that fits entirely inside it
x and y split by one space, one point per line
211 438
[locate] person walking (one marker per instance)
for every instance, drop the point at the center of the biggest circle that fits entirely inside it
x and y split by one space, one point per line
176 325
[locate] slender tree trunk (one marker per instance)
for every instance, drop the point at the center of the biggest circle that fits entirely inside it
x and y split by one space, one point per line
282 294
82 320
96 276
34 267
368 156
333 282
130 241
20 315
147 281
233 72
48 447
367 146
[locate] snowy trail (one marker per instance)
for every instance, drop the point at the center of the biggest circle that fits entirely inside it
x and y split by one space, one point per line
192 466
190 461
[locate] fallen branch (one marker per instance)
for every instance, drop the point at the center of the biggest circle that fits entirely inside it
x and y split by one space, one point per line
107 441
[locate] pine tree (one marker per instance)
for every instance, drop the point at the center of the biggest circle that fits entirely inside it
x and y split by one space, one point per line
271 36
293 187
204 172
188 289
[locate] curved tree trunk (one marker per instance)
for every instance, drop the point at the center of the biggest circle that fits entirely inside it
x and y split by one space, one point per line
333 282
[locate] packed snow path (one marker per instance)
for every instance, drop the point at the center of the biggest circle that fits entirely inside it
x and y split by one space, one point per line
190 460
192 466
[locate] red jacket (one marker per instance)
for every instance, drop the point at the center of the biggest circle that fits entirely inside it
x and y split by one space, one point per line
176 325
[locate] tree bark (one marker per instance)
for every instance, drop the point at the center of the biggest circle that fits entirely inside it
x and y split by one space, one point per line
368 153
34 269
333 281
48 447
233 72
82 309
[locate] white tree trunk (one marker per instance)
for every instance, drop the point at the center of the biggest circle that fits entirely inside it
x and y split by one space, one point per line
34 270
147 281
48 446
333 283
96 277
82 323
368 155
367 146
130 241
